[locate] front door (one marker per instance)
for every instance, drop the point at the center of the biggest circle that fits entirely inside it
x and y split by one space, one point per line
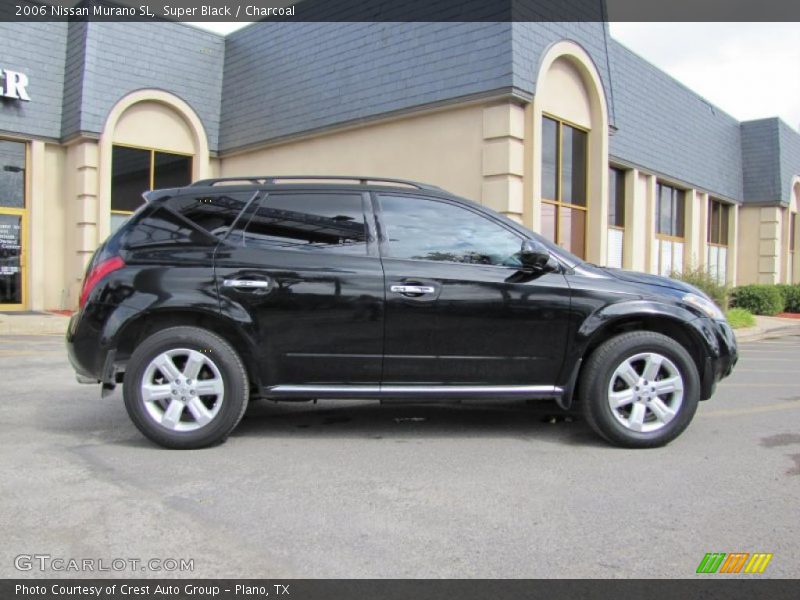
12 225
12 259
458 309
301 269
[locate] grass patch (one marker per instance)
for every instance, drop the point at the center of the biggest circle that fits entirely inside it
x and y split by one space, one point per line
740 317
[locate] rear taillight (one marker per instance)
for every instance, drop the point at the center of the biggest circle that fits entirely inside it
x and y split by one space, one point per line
96 274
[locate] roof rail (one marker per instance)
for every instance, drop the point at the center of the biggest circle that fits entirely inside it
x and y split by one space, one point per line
271 179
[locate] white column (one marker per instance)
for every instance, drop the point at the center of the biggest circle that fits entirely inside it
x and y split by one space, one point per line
36 226
503 163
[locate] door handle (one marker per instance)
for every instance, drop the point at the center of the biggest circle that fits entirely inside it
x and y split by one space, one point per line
412 289
249 284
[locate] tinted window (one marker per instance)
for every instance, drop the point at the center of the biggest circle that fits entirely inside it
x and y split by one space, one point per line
305 221
669 211
137 170
189 219
130 176
423 229
171 170
573 166
549 159
616 197
12 174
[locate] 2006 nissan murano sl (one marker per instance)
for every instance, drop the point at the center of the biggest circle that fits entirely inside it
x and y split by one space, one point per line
298 288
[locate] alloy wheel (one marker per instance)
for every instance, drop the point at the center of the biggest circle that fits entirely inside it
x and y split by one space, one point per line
645 392
182 389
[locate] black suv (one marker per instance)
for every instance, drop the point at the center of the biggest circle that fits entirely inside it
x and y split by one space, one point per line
298 288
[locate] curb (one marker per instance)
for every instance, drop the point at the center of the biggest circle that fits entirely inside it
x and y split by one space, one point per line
764 334
33 325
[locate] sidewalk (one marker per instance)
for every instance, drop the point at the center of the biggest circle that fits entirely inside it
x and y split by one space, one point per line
767 327
33 323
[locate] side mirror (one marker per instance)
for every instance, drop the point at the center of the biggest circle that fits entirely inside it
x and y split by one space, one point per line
534 255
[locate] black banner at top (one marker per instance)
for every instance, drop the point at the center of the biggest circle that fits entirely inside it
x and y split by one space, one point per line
401 10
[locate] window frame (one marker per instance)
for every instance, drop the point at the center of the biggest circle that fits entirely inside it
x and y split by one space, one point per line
152 171
666 236
724 215
383 242
558 203
622 172
792 232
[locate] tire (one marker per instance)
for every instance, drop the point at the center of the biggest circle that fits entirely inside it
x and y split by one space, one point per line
640 417
165 399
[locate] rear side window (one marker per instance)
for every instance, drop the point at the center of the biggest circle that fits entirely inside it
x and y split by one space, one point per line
198 219
423 229
311 222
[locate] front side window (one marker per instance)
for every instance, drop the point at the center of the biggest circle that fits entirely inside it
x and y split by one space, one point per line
317 222
564 184
137 170
425 229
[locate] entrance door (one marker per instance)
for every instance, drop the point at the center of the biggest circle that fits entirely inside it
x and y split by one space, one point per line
12 259
13 245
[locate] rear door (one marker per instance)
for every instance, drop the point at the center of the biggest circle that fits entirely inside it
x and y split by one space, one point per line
301 273
458 308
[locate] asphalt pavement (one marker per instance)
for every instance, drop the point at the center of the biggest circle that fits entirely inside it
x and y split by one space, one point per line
356 489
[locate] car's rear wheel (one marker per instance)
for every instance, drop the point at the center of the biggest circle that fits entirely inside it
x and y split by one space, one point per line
185 387
639 389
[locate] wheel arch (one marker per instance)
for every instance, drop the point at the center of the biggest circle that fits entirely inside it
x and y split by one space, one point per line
687 333
133 332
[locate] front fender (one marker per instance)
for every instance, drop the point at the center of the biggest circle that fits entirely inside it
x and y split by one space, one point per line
601 324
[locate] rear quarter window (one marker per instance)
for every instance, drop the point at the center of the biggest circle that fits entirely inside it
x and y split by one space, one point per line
193 219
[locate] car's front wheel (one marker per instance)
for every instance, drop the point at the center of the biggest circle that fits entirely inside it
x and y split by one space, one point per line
639 389
185 387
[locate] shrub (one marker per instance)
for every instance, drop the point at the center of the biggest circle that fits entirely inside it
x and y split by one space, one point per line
702 279
739 317
759 299
791 297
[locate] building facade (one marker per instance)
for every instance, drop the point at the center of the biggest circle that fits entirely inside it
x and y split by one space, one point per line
554 124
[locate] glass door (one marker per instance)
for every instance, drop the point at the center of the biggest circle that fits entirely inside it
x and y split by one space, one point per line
13 240
12 259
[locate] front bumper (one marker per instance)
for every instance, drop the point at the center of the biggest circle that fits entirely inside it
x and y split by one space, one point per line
723 355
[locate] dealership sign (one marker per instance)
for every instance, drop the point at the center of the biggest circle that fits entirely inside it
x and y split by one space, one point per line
14 84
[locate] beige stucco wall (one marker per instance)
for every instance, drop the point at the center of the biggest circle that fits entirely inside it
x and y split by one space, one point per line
154 125
748 241
55 285
444 148
762 242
